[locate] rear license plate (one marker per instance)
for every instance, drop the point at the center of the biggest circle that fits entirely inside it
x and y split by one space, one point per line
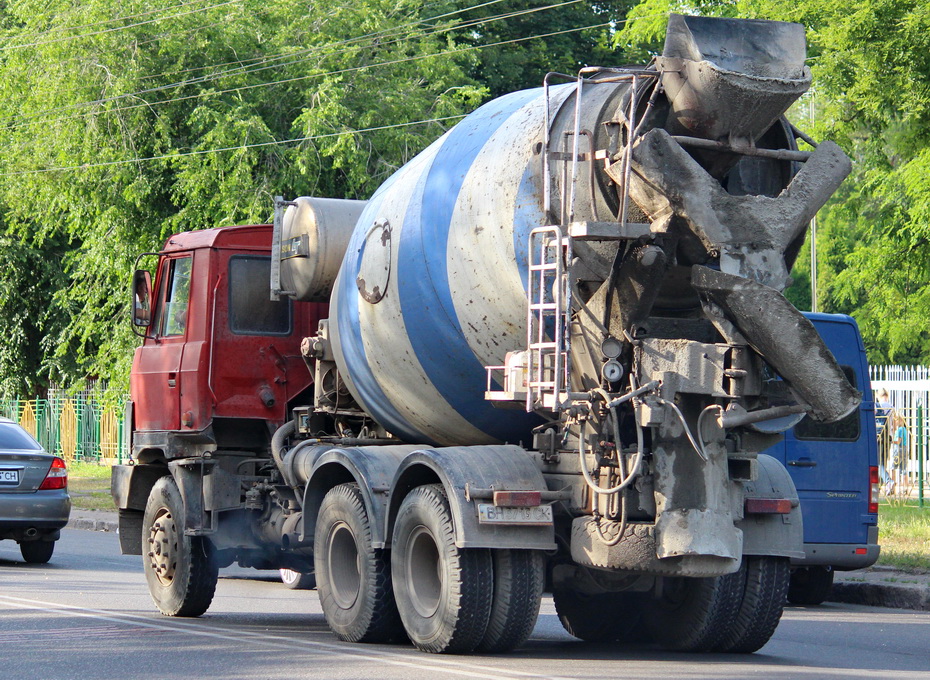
491 514
9 476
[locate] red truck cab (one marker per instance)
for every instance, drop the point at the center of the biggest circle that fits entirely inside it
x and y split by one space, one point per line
220 361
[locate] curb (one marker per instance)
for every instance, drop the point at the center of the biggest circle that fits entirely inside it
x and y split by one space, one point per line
895 596
92 524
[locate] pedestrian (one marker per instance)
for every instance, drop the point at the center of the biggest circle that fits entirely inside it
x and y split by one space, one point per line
897 454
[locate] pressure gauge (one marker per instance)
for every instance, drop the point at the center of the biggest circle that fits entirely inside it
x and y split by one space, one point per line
612 371
611 348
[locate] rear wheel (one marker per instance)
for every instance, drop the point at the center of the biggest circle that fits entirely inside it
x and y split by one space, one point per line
37 552
444 593
810 585
765 584
604 617
353 579
693 614
180 570
519 576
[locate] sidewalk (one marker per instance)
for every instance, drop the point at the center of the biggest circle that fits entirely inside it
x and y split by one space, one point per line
881 586
877 586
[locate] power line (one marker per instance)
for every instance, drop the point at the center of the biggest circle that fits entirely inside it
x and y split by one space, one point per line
318 75
58 29
309 53
118 28
89 166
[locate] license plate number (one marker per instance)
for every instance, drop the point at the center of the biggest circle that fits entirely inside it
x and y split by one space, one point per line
9 476
491 514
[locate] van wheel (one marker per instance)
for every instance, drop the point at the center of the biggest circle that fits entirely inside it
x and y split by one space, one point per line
180 570
765 585
37 552
519 576
810 585
693 614
605 617
352 578
443 592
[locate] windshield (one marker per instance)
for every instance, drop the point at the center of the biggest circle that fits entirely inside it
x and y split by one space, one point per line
14 437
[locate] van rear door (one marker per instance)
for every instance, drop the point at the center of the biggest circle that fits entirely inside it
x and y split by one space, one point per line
829 463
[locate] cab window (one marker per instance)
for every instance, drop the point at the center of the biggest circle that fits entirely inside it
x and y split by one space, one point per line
251 309
175 294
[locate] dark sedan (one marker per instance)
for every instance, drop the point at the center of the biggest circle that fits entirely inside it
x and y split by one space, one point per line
34 501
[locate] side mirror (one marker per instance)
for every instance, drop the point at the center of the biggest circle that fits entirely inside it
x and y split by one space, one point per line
141 298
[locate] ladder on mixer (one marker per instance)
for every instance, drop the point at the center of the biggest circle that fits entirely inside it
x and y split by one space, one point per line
547 324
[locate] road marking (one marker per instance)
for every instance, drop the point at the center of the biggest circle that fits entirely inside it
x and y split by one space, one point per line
436 664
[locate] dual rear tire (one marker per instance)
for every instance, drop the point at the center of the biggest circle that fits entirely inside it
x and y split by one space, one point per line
444 598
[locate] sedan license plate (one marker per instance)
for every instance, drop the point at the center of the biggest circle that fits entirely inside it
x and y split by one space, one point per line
9 476
492 514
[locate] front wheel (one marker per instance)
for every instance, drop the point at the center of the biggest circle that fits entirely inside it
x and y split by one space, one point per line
180 570
444 593
37 552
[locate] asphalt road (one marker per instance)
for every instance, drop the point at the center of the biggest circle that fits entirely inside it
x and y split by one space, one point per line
87 616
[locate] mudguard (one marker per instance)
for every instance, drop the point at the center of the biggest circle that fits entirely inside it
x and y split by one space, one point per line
773 535
373 468
457 468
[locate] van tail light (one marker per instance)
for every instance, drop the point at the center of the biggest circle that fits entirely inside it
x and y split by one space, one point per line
873 489
57 477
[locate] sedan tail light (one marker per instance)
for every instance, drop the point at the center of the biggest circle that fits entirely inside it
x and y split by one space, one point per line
873 489
57 477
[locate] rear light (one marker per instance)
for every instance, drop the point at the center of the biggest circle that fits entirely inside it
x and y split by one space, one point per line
873 489
768 506
517 499
57 477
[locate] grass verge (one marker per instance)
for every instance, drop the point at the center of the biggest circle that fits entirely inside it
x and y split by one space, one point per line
89 486
904 535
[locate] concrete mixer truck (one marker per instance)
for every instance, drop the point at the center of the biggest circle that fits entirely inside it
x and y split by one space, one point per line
546 355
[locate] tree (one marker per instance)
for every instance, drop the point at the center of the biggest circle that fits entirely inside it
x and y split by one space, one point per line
871 67
122 123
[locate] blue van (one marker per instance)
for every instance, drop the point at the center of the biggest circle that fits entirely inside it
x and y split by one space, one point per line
835 469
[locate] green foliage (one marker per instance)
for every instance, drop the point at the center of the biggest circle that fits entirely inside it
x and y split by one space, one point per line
110 128
507 61
871 68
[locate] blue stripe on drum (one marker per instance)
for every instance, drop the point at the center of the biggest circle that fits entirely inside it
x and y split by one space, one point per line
371 395
423 282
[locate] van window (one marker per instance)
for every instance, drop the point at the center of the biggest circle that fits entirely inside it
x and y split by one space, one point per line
846 429
251 309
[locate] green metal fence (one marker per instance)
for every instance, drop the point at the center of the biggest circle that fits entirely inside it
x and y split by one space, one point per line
76 426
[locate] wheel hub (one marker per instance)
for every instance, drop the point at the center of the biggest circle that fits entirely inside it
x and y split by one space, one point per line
343 557
163 547
424 572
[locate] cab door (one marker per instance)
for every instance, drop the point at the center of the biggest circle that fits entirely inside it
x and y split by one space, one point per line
156 375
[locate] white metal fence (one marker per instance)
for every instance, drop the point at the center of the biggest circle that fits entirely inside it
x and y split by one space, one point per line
907 406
